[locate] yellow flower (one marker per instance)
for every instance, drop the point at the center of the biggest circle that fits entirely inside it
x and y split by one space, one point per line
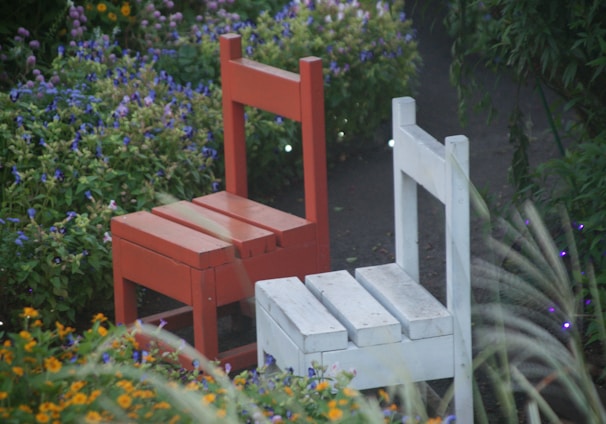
112 16
30 345
288 391
7 343
102 331
99 318
192 385
349 392
125 9
77 385
208 398
322 385
52 364
18 371
162 405
48 407
63 330
334 414
41 417
25 408
29 313
37 323
383 395
221 413
126 385
94 395
143 394
125 401
93 417
79 399
25 335
437 420
101 7
3 395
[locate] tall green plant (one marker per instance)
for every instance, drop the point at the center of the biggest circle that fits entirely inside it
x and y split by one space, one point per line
528 329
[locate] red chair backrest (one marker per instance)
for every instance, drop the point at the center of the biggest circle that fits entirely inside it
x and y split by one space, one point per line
299 97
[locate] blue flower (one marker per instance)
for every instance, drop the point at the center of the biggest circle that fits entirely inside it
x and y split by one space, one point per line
31 212
13 220
88 195
15 173
126 140
71 215
59 175
43 177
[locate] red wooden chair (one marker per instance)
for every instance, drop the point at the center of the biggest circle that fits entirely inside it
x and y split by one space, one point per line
209 252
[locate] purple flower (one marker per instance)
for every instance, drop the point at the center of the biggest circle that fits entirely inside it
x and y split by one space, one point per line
13 220
126 140
43 177
57 260
31 212
31 60
34 44
88 195
59 175
16 174
71 215
23 32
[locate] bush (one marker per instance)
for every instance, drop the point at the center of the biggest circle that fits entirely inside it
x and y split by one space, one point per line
104 129
102 139
106 375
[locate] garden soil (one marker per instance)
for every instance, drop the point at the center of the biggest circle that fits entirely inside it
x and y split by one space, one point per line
361 186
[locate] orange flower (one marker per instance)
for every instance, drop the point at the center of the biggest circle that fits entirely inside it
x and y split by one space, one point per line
29 313
52 364
18 371
29 346
101 7
3 395
79 399
322 385
93 417
99 318
125 401
112 16
41 417
335 414
125 9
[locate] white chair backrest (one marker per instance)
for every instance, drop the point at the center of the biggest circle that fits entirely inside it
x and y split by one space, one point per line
443 170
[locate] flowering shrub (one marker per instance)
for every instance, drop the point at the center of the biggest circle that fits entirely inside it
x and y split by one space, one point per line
104 129
102 137
105 375
375 46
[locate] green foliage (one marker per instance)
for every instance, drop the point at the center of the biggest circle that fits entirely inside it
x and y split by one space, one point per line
104 141
579 184
556 44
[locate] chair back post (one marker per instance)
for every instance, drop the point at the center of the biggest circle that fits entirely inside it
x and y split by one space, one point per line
234 136
314 154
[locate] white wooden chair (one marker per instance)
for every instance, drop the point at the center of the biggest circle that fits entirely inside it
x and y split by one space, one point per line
443 170
383 322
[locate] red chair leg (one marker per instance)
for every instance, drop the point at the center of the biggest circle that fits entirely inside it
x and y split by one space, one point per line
125 291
